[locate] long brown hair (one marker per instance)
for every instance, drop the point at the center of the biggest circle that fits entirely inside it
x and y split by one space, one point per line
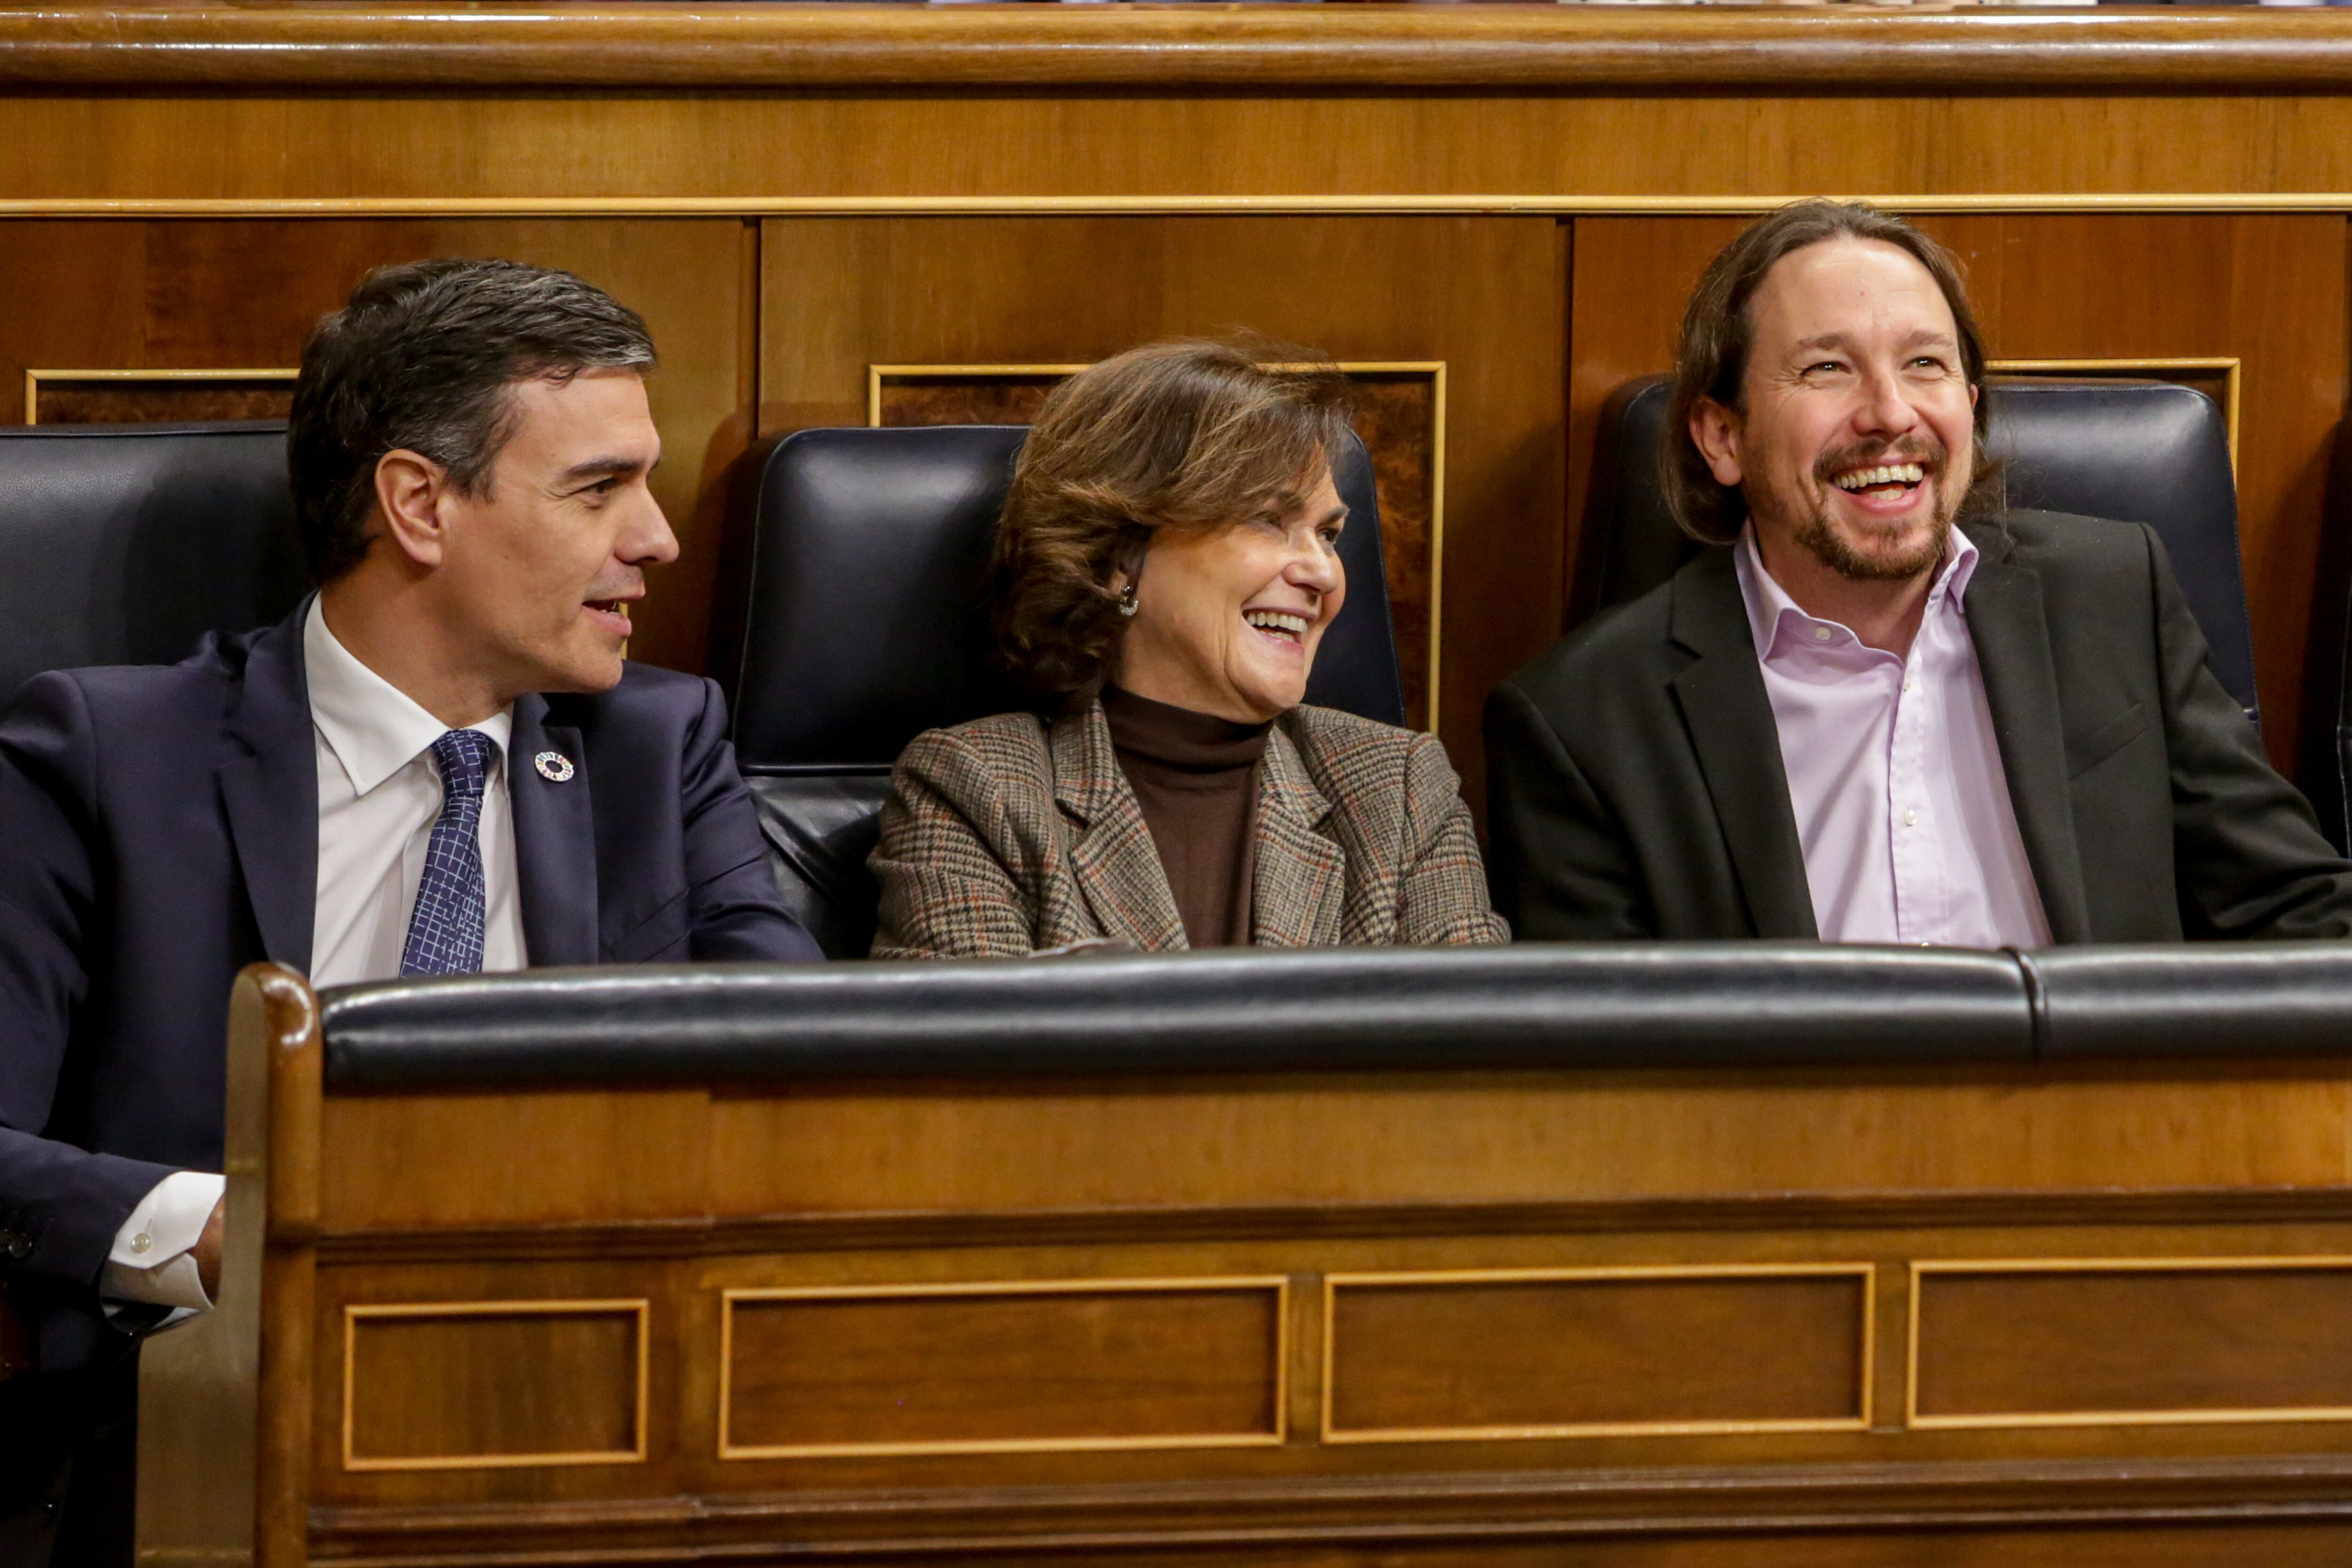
1191 433
1711 358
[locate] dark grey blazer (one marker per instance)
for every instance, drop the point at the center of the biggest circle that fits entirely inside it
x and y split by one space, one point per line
1636 787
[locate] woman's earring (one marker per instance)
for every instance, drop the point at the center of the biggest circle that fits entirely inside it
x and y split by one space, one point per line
1127 605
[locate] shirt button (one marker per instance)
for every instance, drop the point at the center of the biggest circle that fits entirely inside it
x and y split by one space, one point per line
1906 683
1823 634
141 1242
1910 818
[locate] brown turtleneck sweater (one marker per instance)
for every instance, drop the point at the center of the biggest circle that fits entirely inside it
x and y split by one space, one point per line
1195 776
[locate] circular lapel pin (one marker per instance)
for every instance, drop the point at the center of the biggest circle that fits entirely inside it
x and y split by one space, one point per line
553 765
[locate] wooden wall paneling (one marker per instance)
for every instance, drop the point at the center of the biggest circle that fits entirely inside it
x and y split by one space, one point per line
1009 1367
2269 289
755 152
1483 294
206 294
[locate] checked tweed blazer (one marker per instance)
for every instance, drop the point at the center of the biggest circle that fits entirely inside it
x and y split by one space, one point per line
1008 836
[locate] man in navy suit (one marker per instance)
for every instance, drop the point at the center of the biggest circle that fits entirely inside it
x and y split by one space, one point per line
439 764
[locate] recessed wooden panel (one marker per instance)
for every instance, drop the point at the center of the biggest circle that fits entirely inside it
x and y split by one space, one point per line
1400 414
1596 1352
1003 1367
156 396
485 1385
2110 1342
2131 288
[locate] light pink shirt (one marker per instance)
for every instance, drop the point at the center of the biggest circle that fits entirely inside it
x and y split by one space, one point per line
1902 806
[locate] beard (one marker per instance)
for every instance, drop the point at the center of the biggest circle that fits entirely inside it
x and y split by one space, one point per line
1895 559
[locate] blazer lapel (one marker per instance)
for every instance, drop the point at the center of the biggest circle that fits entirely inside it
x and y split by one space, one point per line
1117 869
1729 717
555 839
1298 884
270 795
2003 605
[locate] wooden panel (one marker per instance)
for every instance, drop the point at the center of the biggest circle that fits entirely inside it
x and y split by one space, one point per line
840 295
476 1384
2069 286
1400 414
136 397
2110 1342
188 296
1488 48
1002 1368
577 1158
1597 1352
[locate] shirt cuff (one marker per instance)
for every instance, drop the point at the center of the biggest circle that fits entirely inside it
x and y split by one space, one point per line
153 1260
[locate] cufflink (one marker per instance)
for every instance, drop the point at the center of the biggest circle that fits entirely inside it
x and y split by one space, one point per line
553 765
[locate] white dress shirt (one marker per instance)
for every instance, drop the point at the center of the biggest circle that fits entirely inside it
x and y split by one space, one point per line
1895 772
379 796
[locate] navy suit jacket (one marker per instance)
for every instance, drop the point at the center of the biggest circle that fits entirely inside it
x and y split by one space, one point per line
158 832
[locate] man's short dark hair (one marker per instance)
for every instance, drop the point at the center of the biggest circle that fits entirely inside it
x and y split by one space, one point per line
424 357
1711 357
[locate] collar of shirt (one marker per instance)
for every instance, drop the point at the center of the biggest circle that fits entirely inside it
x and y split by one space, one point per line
373 727
1780 628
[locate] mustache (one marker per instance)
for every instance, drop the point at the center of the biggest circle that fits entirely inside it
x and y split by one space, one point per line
1925 450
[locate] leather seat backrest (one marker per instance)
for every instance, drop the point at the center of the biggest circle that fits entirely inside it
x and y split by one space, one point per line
863 620
126 543
2138 451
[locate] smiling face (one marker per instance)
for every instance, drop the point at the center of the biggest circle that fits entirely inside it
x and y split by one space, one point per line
538 566
1228 618
1854 439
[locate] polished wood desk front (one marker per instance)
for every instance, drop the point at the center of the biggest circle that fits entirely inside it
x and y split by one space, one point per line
1927 1316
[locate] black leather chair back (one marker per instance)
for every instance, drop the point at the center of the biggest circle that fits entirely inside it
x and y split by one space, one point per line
126 543
2139 452
864 622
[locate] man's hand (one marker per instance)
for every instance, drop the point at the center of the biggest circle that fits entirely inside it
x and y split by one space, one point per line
208 1249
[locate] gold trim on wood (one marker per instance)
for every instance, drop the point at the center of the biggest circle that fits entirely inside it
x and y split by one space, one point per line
2200 1417
1465 204
2230 365
34 378
1867 1273
1279 1285
876 375
636 1455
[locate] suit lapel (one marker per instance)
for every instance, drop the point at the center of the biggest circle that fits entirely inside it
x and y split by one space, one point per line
270 795
555 840
1729 717
1299 882
2003 605
1117 869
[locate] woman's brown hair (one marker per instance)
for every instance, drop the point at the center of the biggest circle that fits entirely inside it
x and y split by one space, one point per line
1711 359
1192 434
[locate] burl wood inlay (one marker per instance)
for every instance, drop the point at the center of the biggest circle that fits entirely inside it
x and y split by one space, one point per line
1396 416
159 401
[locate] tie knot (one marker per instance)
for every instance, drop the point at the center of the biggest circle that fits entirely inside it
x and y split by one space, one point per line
465 755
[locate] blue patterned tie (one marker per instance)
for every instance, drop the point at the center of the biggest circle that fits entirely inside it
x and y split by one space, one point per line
445 934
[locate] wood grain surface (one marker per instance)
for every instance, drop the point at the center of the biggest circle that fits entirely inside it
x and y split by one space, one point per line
370 46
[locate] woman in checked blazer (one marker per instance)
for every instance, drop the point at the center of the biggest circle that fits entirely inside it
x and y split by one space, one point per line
1165 571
